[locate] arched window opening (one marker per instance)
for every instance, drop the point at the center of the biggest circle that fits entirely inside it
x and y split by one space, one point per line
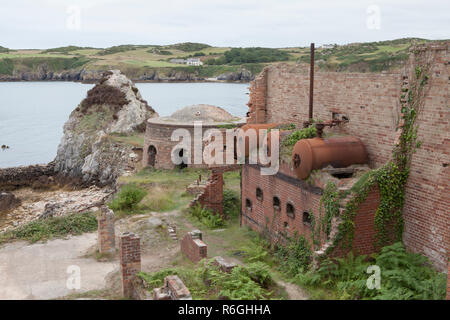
259 194
248 205
276 203
290 210
151 156
307 218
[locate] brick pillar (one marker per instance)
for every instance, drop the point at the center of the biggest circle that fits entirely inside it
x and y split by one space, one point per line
215 195
106 235
130 261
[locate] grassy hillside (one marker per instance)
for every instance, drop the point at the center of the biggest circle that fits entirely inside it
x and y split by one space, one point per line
136 60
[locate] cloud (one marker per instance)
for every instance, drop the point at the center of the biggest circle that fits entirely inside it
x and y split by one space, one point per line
43 23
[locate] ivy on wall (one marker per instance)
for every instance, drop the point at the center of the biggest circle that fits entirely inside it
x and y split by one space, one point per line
391 178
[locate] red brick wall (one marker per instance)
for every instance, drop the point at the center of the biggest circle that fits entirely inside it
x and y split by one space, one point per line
106 234
262 213
193 248
426 212
212 195
130 261
371 102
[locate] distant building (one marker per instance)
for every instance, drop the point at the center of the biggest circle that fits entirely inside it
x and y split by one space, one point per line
194 62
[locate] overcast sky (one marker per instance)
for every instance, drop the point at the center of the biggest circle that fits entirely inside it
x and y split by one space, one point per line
240 23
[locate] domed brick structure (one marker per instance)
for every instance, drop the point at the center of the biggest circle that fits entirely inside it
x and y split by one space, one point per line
158 145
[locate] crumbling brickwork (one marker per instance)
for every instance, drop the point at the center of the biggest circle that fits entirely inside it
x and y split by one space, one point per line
106 234
173 289
193 247
371 103
130 261
211 196
261 215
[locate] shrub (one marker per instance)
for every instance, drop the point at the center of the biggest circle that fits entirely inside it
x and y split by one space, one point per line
206 216
128 197
231 203
208 281
73 224
104 94
295 256
404 276
295 136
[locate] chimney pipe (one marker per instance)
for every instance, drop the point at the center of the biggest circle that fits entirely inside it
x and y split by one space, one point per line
311 83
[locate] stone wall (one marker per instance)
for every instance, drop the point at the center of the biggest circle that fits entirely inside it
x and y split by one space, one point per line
39 175
193 247
371 102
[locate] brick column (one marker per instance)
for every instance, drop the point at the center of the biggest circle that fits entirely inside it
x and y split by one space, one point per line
130 261
106 235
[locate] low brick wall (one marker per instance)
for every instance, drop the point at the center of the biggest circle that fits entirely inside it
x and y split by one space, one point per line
130 261
106 235
174 289
224 265
193 247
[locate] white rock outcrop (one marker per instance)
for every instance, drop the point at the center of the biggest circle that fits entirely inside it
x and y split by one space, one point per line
86 151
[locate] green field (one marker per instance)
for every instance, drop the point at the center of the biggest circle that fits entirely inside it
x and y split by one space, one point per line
135 60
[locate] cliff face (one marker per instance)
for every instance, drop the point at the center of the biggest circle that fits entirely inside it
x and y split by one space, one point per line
86 151
42 73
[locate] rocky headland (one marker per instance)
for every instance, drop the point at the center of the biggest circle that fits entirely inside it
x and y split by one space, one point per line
89 157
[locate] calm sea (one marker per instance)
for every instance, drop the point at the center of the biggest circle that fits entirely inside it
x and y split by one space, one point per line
32 114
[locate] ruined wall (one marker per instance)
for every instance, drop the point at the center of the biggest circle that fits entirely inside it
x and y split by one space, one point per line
159 136
426 211
371 102
263 217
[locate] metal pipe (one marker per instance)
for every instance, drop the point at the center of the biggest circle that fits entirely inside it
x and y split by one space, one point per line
311 83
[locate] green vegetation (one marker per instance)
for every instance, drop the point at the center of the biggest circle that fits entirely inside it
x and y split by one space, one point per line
207 217
250 55
231 203
295 256
249 282
404 276
118 49
64 50
189 46
297 135
128 197
53 227
137 60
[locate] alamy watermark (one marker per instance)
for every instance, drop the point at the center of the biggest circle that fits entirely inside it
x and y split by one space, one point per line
73 282
374 281
232 146
373 21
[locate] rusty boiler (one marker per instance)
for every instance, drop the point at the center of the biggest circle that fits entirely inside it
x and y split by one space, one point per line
257 128
317 153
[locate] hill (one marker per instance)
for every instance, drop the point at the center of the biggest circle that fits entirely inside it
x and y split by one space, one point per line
153 62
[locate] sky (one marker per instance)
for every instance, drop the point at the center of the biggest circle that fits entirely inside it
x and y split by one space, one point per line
42 24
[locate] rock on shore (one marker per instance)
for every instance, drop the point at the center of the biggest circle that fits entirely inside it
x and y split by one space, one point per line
86 151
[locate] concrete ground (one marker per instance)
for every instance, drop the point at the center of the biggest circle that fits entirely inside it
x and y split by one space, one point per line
40 270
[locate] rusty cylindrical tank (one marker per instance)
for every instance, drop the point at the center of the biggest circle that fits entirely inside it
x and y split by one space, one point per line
257 128
317 153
